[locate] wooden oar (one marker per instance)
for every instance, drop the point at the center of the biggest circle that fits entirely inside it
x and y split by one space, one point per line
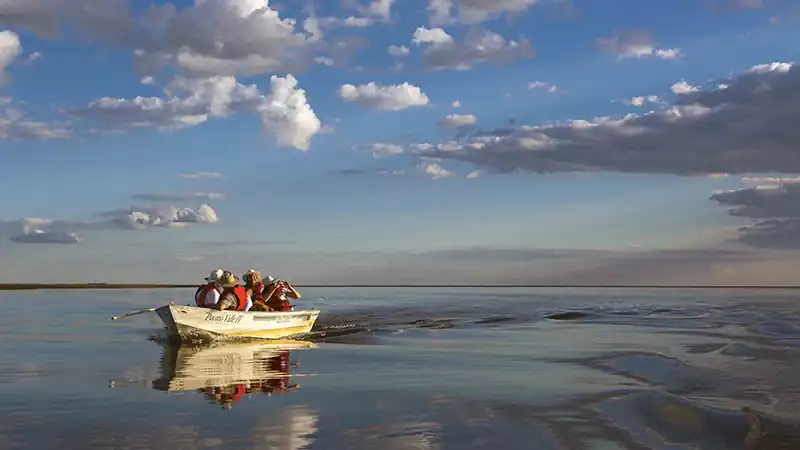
134 313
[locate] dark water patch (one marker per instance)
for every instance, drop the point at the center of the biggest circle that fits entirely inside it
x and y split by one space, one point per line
660 420
570 315
494 320
668 373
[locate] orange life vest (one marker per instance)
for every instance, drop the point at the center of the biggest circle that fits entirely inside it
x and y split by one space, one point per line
258 292
241 296
200 294
278 300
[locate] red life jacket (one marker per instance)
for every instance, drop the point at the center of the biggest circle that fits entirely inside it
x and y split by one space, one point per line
277 303
241 296
200 294
258 291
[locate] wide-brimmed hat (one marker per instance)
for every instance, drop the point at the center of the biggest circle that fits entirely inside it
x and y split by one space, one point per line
229 281
215 275
256 275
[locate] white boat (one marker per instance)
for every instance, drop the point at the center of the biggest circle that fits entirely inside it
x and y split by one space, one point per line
226 365
191 323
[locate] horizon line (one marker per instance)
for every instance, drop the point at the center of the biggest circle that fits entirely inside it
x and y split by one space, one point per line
37 286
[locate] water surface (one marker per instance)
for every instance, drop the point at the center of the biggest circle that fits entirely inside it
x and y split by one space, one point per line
410 369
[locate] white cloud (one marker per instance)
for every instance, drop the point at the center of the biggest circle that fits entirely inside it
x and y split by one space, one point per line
381 9
442 52
455 121
636 44
248 36
380 150
200 175
14 126
473 11
285 112
10 48
401 50
549 87
38 236
682 87
434 170
670 53
384 98
640 101
140 218
774 208
750 127
32 58
176 197
456 104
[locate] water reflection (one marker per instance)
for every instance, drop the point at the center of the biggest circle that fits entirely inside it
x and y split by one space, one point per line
226 373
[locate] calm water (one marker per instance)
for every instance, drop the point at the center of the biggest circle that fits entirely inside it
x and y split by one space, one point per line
411 369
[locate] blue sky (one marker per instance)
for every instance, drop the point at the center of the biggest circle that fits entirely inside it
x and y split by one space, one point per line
601 127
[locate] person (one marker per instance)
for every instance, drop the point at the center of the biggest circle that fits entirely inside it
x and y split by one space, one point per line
253 286
278 293
207 295
233 296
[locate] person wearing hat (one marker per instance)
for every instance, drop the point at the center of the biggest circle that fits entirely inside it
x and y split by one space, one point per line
233 296
207 295
253 286
278 294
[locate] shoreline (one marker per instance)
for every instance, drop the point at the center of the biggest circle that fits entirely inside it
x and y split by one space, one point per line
38 286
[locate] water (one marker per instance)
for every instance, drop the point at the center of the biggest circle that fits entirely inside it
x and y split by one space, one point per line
411 369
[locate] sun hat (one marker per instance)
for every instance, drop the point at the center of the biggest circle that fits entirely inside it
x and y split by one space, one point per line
256 275
230 280
215 275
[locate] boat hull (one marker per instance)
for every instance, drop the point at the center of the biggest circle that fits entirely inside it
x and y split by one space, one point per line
190 323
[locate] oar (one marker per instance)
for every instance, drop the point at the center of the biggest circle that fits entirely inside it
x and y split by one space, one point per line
134 313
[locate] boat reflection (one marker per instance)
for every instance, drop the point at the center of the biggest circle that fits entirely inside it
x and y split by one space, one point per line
226 373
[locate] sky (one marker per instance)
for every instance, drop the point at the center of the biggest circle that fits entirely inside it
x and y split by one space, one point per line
400 141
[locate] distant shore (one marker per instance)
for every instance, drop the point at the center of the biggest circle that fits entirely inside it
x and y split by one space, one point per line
35 286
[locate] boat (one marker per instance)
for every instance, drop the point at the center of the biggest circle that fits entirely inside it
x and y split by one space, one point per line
192 323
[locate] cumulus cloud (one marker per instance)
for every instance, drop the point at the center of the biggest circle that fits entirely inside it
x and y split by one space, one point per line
398 51
384 98
142 217
285 112
640 101
380 150
549 87
38 236
249 37
636 44
442 52
775 209
434 170
177 197
749 127
682 87
456 121
15 126
32 58
10 48
443 12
